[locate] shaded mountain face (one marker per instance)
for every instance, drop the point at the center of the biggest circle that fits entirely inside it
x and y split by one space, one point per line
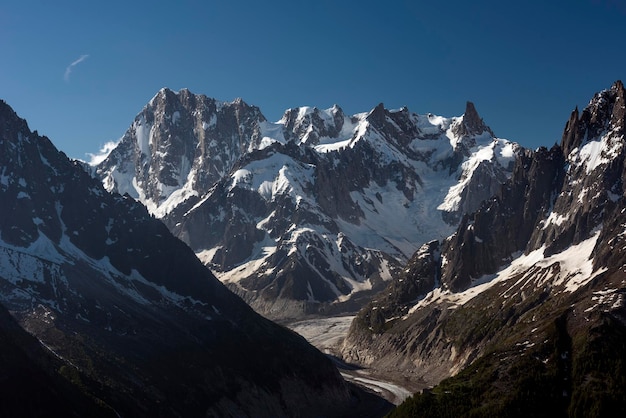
124 312
312 213
525 301
31 384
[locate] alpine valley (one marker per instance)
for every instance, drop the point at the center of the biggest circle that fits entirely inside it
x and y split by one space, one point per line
486 277
103 312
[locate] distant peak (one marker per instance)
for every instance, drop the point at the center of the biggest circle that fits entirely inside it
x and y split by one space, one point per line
163 94
472 119
377 115
167 92
605 113
8 117
239 102
336 111
620 92
471 123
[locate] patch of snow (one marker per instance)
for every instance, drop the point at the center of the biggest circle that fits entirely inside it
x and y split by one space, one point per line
595 153
277 175
505 152
29 264
143 132
172 196
4 178
344 138
432 124
555 219
607 300
591 154
455 193
206 256
260 252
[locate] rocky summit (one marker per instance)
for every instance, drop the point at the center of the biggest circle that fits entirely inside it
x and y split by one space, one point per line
316 212
522 308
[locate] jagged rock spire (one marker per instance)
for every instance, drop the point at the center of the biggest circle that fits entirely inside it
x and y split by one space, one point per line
569 141
472 123
606 112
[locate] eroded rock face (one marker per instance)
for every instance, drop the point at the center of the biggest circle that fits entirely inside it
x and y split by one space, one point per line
179 146
420 276
594 177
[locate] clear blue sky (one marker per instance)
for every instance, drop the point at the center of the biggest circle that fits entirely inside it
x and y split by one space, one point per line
524 64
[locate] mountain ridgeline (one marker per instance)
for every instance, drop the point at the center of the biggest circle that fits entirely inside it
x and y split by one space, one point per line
488 275
103 312
311 214
521 311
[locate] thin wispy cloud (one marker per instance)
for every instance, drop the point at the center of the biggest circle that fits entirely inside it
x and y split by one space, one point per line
70 67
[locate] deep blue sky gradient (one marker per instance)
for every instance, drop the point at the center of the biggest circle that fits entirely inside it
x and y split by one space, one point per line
525 65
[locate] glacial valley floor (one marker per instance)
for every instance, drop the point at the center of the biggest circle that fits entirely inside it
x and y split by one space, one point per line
327 335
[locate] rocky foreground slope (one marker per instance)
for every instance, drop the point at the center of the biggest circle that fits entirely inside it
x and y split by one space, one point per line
104 313
313 213
525 303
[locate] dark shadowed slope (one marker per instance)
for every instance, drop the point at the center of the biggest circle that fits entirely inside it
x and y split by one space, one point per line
131 316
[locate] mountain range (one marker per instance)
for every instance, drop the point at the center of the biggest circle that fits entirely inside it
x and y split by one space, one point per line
311 214
488 276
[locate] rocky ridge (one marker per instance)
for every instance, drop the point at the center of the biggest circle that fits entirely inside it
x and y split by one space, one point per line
531 281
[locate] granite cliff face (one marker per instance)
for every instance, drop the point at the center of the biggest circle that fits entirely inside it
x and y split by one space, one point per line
531 281
178 146
312 213
124 318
